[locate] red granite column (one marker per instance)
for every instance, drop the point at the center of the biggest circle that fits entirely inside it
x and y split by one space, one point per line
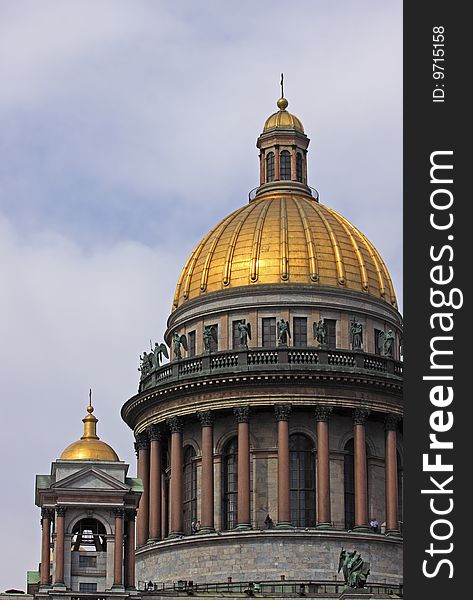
324 517
130 514
47 515
361 481
155 436
282 412
177 525
293 163
206 419
142 447
262 167
243 511
59 557
392 524
118 553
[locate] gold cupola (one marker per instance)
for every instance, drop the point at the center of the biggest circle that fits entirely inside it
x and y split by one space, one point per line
284 235
90 446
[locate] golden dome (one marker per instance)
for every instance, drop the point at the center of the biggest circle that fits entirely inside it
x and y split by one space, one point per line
90 446
284 238
282 119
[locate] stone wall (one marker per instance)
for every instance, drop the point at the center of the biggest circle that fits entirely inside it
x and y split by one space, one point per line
266 555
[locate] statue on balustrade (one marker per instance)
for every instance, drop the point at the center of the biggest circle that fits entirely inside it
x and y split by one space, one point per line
284 332
356 335
355 569
178 341
320 332
159 351
210 333
146 364
388 343
244 329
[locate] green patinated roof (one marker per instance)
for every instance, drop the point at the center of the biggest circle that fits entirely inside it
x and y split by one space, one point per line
135 484
32 577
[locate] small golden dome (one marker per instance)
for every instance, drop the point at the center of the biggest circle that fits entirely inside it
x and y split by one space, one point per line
284 238
282 119
90 446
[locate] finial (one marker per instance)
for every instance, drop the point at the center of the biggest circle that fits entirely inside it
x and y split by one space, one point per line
282 102
90 408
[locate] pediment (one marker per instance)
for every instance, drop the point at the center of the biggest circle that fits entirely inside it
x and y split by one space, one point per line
90 478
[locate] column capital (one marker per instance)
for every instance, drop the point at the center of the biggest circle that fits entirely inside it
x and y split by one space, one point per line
322 413
155 432
130 514
119 512
242 414
391 421
47 513
360 416
206 418
142 441
61 511
175 424
282 412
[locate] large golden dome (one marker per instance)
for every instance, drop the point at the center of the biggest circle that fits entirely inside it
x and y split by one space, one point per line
284 238
90 446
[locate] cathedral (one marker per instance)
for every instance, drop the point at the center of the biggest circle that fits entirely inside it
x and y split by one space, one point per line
268 426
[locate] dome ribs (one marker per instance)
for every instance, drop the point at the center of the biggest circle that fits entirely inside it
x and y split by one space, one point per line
361 262
227 269
335 246
284 242
210 253
255 252
310 241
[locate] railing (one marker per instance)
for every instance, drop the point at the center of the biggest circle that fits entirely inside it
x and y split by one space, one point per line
260 359
315 193
255 588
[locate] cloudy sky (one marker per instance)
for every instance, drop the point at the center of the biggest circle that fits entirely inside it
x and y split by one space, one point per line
128 129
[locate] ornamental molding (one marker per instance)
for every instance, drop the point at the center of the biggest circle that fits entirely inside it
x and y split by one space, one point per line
360 416
282 412
322 413
175 424
242 414
206 418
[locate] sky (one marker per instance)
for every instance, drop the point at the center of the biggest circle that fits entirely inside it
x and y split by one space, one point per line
127 130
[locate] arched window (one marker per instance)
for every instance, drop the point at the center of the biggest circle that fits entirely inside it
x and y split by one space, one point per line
230 484
299 167
302 480
89 535
285 165
190 489
349 484
270 167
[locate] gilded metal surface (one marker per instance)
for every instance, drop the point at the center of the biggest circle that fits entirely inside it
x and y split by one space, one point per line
283 120
284 237
90 446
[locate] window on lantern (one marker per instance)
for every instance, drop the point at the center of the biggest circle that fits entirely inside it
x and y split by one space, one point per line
299 167
270 167
285 165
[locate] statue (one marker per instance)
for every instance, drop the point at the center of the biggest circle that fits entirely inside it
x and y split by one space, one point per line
355 569
356 335
210 333
146 364
283 332
178 341
159 351
320 332
388 343
244 329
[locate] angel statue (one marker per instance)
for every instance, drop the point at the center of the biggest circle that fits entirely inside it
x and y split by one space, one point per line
178 341
159 351
388 341
210 333
356 335
283 332
355 569
320 332
244 329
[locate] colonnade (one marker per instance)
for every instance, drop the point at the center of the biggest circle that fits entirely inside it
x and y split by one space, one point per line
149 452
124 547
